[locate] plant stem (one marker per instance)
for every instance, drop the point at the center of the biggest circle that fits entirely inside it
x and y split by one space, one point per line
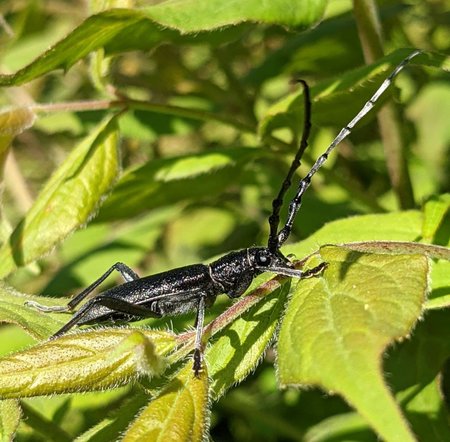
369 30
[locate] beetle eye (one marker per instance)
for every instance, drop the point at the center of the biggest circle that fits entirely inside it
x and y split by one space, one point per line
262 259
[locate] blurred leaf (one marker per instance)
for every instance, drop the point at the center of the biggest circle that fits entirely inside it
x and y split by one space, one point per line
68 200
112 427
165 181
435 211
84 361
9 419
200 15
440 276
89 252
179 413
44 426
325 50
126 29
397 226
348 426
337 326
13 121
335 102
415 370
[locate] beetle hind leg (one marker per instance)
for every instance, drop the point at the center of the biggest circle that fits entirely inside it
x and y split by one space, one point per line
114 304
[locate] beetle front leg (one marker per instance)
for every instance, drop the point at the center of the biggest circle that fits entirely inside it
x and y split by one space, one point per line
315 271
198 353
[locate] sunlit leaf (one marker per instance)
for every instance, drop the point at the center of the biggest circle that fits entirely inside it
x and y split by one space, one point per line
68 200
336 102
241 346
435 211
84 361
166 181
201 15
179 412
13 121
9 419
126 29
337 326
14 311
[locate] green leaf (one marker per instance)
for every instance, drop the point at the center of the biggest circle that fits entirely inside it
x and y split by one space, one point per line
335 102
440 296
435 211
13 121
179 413
337 326
92 34
200 15
68 200
397 226
9 419
14 311
241 345
84 361
113 426
415 370
166 181
121 30
348 426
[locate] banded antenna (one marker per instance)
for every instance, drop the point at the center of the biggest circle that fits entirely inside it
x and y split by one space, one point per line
277 238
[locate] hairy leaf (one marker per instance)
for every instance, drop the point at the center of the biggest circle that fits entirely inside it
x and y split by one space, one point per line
241 345
179 412
337 326
13 310
84 361
10 414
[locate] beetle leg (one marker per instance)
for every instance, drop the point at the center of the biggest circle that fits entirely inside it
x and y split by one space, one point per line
198 356
115 304
127 274
124 270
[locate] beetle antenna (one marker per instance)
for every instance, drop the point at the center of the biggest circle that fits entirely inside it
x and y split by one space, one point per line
276 241
277 203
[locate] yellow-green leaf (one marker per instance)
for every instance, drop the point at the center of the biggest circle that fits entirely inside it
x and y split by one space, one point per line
84 361
9 419
434 213
179 413
13 310
68 200
241 345
337 326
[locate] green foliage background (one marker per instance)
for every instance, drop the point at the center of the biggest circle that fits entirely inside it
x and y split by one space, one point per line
158 135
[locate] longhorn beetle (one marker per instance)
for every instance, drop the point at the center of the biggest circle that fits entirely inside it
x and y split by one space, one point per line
195 287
